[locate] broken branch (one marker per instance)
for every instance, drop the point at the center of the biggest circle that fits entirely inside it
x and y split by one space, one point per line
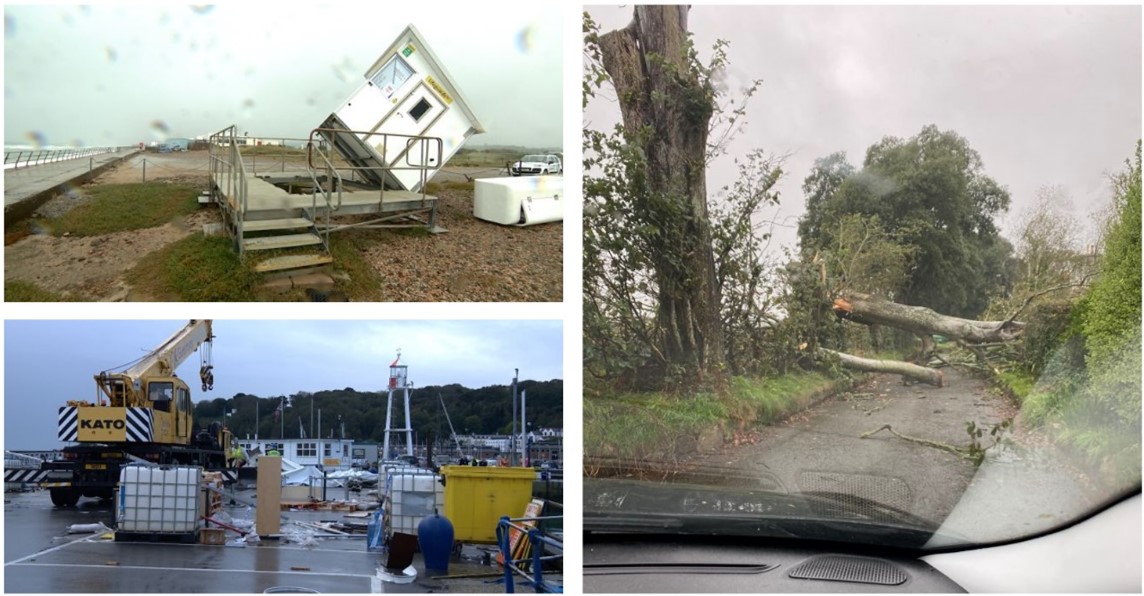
905 369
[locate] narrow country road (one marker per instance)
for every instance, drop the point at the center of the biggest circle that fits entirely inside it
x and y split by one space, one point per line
822 450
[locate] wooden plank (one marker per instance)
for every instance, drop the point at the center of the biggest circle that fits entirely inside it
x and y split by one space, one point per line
285 241
292 262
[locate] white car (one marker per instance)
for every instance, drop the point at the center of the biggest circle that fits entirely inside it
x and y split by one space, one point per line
536 165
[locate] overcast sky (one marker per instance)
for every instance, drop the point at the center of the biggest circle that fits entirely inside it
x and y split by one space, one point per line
104 74
47 363
1046 95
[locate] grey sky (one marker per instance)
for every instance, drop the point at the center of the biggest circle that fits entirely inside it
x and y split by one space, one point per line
102 74
47 363
1046 95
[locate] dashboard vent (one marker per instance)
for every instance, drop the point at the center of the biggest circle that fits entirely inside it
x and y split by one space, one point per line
840 568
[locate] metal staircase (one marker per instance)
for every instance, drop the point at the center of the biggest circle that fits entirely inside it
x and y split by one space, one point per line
282 220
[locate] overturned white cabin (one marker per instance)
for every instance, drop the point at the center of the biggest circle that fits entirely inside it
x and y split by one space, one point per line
372 157
408 116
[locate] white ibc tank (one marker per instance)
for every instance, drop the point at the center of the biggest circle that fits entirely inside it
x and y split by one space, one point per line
159 500
413 496
520 201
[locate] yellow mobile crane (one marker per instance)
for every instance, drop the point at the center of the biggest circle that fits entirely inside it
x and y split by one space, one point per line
142 414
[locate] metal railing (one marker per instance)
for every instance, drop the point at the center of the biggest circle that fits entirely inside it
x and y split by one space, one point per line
229 173
430 150
23 159
530 568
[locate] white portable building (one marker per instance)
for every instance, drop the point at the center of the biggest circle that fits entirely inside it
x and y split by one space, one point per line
407 93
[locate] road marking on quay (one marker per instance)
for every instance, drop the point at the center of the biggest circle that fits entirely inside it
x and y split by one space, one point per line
49 550
146 568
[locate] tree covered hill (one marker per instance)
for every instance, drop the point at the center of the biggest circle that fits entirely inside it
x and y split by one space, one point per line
487 410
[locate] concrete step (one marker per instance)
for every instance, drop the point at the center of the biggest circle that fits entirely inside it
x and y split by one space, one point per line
284 241
289 223
292 262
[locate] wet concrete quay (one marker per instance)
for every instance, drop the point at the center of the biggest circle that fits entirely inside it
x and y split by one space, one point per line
40 557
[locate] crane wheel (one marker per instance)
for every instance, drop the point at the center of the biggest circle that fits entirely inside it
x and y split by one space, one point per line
64 497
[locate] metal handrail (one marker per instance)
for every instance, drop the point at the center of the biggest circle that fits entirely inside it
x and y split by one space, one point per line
235 175
331 173
537 539
17 159
425 143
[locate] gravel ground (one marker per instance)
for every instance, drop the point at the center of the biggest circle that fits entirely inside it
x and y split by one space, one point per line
475 261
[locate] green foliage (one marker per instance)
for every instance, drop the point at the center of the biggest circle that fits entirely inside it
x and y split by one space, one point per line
865 257
1086 355
1115 298
1018 383
739 242
931 193
197 268
122 207
824 179
1051 334
657 428
977 442
486 410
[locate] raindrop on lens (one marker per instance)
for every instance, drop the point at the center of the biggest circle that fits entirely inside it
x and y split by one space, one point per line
37 138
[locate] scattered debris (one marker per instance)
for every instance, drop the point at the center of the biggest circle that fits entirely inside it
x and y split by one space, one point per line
88 528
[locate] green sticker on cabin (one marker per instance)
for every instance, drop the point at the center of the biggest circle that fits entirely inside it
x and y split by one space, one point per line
407 51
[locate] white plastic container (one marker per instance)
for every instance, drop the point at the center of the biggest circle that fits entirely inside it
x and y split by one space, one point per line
523 201
159 500
413 496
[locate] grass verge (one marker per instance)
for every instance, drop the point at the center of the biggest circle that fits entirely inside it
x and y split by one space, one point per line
1079 414
121 207
359 281
662 428
475 158
195 269
21 291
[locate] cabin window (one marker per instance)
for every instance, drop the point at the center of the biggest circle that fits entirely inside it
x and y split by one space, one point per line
392 75
419 110
160 395
184 399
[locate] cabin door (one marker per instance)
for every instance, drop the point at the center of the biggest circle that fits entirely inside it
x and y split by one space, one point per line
413 116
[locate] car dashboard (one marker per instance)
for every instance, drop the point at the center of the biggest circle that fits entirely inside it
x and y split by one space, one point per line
1099 554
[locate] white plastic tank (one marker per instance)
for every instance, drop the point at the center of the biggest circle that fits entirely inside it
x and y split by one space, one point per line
159 500
414 494
523 201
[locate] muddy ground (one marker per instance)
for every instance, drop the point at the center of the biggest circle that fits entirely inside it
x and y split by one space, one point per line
475 261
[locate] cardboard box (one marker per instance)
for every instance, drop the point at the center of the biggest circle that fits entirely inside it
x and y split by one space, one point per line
212 536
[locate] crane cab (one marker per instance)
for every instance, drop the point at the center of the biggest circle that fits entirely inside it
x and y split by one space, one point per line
156 410
170 400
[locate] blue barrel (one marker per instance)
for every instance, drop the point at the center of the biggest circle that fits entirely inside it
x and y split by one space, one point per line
435 535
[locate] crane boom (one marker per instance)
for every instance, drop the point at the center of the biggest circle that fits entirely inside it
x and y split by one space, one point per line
163 360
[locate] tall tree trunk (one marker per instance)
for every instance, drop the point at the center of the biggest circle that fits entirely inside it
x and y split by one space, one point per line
666 109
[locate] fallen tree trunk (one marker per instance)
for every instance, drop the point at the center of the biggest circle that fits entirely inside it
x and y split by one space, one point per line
912 371
869 310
